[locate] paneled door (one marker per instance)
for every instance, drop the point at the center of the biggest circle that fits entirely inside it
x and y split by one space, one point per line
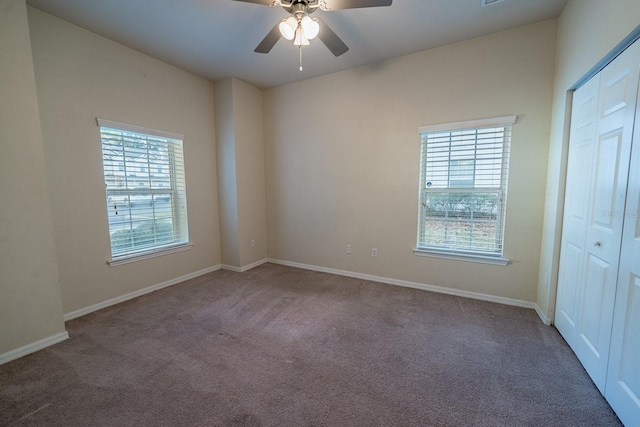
623 377
590 256
576 210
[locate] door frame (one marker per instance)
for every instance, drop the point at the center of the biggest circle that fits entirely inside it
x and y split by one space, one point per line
599 66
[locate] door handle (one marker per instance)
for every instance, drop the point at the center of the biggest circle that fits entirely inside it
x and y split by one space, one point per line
597 243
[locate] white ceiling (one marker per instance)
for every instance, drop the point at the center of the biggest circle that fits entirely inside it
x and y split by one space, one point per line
216 38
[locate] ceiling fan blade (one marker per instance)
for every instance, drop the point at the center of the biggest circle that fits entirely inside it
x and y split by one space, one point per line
264 2
331 39
269 41
352 4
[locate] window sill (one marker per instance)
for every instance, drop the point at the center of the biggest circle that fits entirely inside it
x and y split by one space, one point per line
140 256
482 259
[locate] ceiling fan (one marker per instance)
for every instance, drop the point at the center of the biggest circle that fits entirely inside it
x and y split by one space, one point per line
301 28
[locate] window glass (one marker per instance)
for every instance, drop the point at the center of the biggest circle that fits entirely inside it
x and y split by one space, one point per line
145 189
463 189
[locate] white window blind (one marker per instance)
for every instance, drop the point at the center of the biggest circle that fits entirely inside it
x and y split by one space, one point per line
145 189
463 186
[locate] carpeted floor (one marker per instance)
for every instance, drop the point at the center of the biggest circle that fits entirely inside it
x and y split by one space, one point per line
278 346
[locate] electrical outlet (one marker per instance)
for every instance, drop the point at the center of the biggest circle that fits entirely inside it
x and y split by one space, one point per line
253 243
374 252
348 249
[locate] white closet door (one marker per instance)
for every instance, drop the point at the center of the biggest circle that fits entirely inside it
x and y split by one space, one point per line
612 150
623 377
589 268
576 210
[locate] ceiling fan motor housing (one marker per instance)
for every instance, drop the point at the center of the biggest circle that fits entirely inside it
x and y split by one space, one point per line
299 8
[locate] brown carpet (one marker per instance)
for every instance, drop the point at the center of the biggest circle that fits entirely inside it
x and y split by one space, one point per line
278 346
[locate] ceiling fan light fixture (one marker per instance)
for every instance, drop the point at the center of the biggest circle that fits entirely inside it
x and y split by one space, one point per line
310 26
288 27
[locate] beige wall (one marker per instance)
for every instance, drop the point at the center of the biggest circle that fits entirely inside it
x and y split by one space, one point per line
30 302
342 155
81 76
250 171
227 184
239 133
587 31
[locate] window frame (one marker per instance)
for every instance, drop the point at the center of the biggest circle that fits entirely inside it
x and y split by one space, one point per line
434 251
177 193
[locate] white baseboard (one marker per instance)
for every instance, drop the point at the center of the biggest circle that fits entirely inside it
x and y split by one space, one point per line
33 347
387 280
246 267
407 284
546 320
126 297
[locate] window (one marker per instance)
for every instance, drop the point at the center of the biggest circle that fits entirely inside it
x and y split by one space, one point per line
463 189
147 213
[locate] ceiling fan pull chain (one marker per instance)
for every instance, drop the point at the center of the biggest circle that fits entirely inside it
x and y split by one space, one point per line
300 49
